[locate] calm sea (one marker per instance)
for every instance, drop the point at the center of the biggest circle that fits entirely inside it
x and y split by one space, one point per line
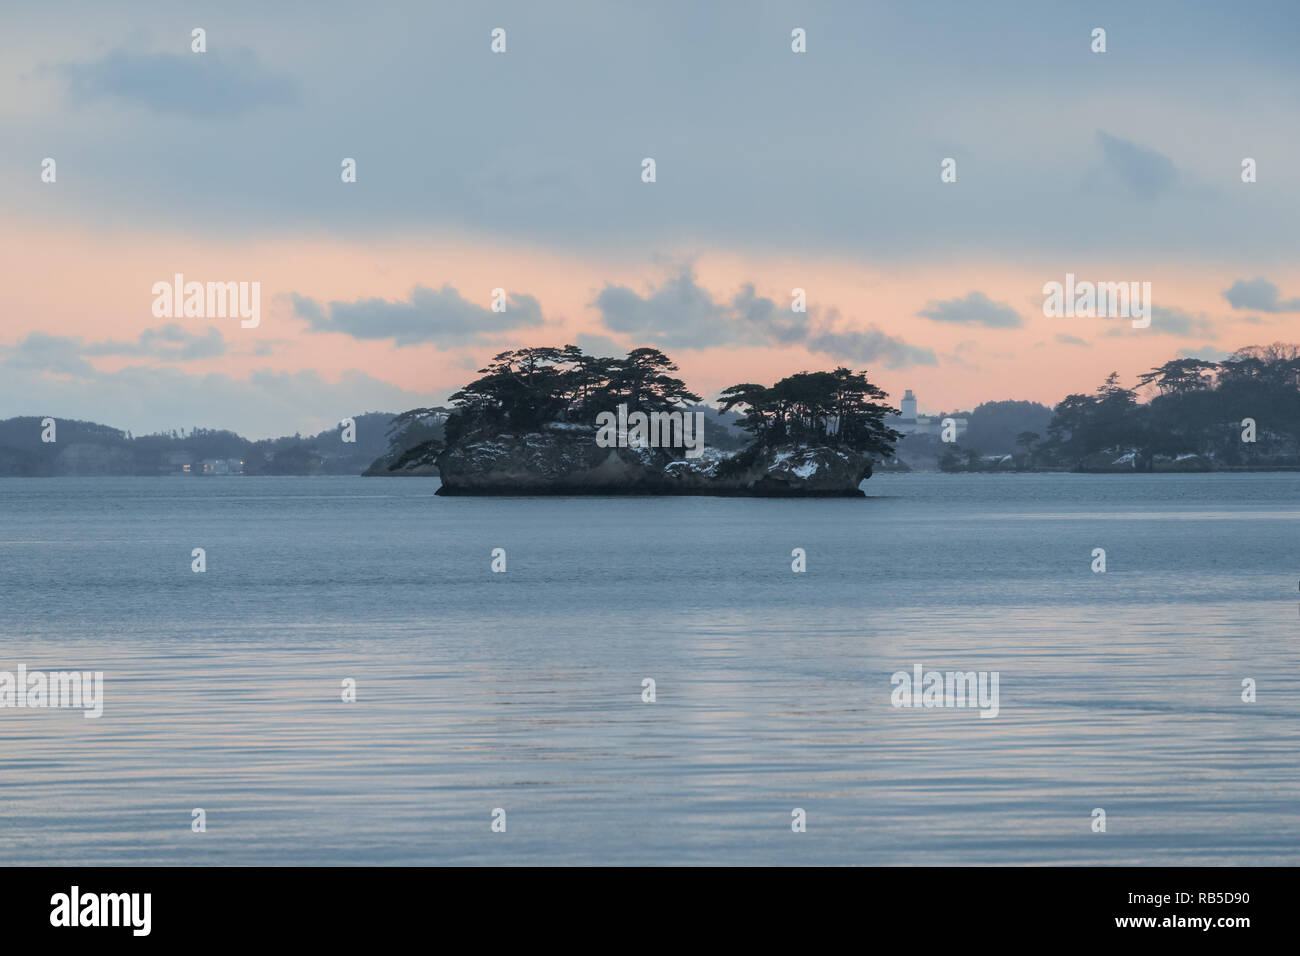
523 690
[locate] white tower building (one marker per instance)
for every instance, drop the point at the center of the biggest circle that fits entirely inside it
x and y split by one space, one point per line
907 407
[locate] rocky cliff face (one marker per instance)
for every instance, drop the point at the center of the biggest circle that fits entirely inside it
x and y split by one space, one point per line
569 462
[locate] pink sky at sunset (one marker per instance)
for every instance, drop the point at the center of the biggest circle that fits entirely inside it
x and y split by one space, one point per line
108 297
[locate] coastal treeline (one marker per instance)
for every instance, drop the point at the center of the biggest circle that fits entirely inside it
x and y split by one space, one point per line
1187 414
88 448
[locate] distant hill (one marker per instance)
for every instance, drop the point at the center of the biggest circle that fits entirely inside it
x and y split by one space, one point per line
89 448
993 427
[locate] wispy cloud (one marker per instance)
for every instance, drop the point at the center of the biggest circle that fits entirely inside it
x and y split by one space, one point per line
1206 353
1259 295
68 354
975 309
1070 339
1145 172
1174 322
440 316
680 313
871 345
198 84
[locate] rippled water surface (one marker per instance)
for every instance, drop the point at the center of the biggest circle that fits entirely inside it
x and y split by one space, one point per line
523 690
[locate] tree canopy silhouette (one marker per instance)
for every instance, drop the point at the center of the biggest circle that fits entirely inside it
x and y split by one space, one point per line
837 408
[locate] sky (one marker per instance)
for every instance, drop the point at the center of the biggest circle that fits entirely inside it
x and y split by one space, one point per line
522 171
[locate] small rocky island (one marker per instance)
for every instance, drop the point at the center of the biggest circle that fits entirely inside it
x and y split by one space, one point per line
555 421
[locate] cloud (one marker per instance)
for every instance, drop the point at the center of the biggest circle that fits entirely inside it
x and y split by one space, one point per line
198 84
44 352
1206 353
871 345
1260 295
1143 171
1169 322
169 342
67 354
1180 323
680 313
1064 339
439 316
600 345
494 163
975 309
779 324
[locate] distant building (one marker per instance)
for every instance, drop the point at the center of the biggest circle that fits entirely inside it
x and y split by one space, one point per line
910 423
222 466
179 462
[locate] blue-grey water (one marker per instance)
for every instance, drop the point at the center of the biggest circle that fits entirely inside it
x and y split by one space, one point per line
523 690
